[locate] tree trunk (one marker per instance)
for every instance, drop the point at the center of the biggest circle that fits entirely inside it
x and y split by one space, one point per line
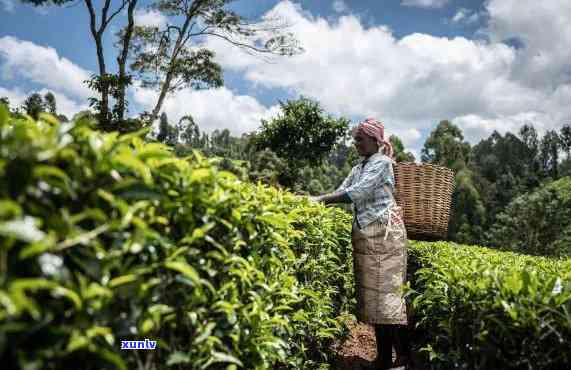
162 96
122 60
97 37
168 79
104 107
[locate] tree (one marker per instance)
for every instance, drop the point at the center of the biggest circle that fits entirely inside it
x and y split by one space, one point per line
468 212
531 157
301 135
4 100
565 136
106 83
167 59
445 146
50 103
537 223
399 153
507 164
33 105
266 167
167 134
189 131
549 154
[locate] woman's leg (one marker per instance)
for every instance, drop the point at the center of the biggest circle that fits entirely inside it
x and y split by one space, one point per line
385 335
402 345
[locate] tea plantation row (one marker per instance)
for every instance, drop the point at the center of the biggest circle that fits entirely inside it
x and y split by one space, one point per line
478 308
105 238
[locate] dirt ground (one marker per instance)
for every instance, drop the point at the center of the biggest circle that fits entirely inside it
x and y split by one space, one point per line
359 350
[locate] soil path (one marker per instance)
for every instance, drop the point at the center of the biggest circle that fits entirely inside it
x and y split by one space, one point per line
359 350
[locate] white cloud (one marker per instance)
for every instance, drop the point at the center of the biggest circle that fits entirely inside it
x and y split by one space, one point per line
42 65
425 3
150 18
211 109
339 6
465 16
544 27
65 105
410 83
8 5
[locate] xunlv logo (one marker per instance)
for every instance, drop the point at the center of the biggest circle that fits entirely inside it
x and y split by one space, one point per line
138 344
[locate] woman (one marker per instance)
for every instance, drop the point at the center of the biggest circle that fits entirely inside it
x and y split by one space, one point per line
379 242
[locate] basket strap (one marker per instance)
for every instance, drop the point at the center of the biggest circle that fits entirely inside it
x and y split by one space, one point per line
390 194
391 215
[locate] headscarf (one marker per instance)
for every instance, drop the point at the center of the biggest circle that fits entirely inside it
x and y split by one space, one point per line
375 129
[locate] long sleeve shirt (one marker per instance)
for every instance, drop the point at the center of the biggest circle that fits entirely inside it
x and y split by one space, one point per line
364 185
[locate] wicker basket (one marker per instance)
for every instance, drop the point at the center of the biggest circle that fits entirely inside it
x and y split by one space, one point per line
424 192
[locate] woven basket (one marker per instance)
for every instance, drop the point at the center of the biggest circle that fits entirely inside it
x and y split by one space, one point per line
424 192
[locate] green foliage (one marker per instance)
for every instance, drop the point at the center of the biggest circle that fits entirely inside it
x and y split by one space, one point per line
266 167
565 136
506 166
468 211
477 308
168 134
399 150
537 223
549 154
445 146
114 85
50 103
106 238
33 105
301 135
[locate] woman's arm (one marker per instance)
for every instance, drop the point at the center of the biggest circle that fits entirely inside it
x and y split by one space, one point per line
335 197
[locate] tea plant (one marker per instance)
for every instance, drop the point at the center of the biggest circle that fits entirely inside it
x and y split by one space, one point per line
106 238
478 308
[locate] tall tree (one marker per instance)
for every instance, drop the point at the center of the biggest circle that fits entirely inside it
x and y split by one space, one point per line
104 83
189 131
530 139
174 56
446 146
33 105
124 79
399 150
549 154
565 136
4 100
50 103
301 135
168 134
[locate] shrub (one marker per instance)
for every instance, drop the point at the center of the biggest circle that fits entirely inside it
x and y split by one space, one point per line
106 238
477 308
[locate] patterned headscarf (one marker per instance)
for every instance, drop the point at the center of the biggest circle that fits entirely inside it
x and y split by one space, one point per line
375 129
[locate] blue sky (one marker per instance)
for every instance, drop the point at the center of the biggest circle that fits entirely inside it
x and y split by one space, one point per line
410 63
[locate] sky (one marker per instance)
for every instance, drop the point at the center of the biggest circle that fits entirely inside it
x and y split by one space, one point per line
485 65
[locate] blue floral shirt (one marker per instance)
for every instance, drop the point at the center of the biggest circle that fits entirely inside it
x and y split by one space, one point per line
364 185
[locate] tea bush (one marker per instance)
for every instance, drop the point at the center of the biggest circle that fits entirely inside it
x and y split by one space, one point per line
106 238
478 308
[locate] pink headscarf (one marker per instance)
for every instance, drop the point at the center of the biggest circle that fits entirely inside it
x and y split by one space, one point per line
375 129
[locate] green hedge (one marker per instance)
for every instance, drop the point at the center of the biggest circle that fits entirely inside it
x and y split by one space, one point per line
106 238
478 308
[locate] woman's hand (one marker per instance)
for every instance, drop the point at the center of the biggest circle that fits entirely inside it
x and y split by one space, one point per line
315 198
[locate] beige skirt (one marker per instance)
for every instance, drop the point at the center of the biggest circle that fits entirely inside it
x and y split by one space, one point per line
380 272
